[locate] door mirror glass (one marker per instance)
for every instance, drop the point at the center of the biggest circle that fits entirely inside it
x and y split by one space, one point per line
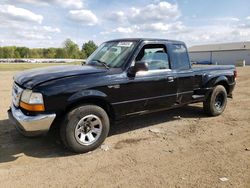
139 66
83 62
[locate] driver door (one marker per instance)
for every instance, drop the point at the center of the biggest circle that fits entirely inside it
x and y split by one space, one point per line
159 81
147 90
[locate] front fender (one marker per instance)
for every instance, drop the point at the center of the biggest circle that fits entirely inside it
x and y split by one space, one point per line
86 94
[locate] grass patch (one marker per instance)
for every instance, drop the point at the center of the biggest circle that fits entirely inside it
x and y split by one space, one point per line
24 66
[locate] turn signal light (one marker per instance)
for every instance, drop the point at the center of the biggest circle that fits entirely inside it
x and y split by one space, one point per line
32 107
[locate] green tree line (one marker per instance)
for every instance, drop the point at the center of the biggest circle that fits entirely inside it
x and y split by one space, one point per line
69 50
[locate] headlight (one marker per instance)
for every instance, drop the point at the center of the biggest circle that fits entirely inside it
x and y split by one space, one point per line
32 101
26 95
30 97
36 98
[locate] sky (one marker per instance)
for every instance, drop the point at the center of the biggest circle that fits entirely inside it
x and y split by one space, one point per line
47 23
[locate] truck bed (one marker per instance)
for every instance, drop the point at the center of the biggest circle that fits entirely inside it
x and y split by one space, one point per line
206 68
209 73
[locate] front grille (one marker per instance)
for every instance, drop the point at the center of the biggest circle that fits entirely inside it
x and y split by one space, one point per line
16 94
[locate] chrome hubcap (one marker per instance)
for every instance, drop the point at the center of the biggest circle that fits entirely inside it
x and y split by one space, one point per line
88 130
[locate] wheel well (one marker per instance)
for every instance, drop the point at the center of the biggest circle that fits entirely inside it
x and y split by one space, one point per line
224 84
94 101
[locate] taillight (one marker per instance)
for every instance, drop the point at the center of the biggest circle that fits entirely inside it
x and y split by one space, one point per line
235 74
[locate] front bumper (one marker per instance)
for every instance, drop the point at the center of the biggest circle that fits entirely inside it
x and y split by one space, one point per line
31 125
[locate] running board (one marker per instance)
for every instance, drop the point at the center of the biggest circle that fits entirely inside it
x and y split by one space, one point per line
197 96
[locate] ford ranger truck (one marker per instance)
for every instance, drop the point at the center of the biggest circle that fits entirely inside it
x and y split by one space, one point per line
122 78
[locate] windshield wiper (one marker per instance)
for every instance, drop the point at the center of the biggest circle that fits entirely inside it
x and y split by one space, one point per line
102 62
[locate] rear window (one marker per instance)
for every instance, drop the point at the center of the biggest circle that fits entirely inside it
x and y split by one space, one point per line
180 57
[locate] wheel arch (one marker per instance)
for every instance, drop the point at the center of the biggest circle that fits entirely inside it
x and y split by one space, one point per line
92 100
221 80
224 84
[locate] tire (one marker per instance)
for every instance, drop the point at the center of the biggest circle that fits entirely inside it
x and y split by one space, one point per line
80 124
216 102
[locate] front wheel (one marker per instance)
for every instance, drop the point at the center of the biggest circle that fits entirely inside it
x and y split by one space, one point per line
85 128
216 102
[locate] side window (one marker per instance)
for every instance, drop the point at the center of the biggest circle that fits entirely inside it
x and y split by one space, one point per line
155 55
180 57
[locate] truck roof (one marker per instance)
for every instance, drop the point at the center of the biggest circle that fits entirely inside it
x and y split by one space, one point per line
146 39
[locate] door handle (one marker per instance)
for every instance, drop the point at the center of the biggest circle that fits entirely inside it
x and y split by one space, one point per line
170 79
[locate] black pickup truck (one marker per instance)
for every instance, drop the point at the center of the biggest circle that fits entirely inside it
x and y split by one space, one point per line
121 78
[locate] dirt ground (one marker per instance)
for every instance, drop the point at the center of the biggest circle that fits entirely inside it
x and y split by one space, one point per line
187 151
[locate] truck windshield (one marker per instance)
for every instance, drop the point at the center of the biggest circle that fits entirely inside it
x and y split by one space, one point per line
111 54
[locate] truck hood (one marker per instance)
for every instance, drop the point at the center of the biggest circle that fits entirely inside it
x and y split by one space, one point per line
30 78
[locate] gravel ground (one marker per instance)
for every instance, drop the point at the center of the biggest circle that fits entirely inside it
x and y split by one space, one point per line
176 148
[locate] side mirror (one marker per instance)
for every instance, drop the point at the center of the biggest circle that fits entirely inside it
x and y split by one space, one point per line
83 62
139 66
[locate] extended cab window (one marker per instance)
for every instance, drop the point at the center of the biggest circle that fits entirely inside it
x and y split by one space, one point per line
155 55
180 57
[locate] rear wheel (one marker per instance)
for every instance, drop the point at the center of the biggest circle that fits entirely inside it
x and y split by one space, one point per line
85 128
216 102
